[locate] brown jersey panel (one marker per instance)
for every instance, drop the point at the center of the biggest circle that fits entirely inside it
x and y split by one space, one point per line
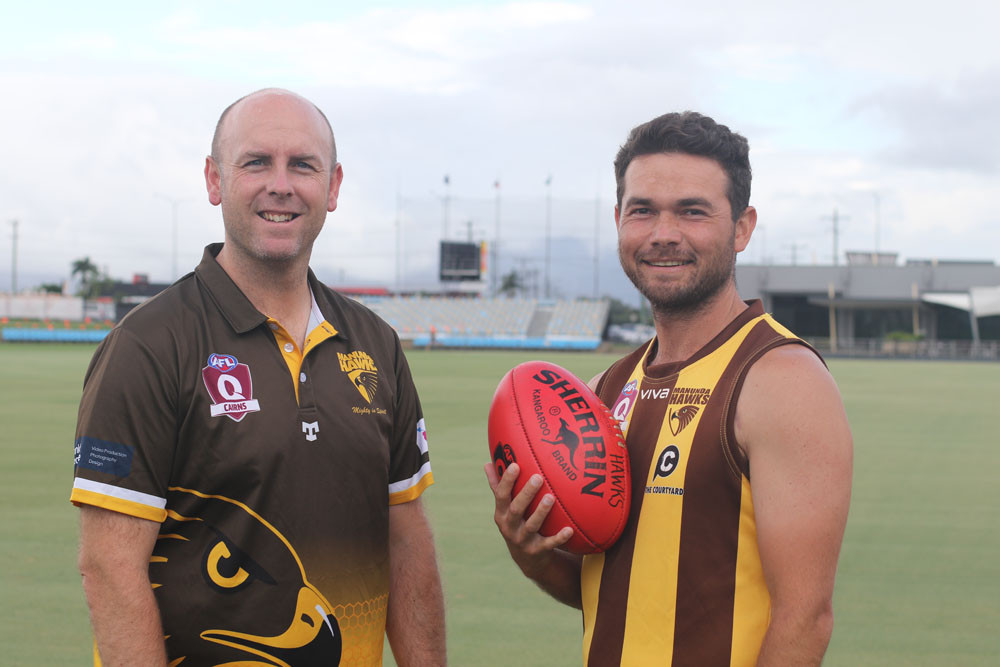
706 576
608 636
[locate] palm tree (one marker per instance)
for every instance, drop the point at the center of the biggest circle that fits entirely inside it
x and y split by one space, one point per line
511 283
88 274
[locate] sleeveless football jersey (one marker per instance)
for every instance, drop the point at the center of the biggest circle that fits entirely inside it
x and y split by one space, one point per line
684 584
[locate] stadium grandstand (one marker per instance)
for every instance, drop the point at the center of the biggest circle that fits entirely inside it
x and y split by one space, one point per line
493 323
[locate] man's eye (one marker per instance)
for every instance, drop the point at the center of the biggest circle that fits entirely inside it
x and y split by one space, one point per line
641 211
253 163
304 165
693 211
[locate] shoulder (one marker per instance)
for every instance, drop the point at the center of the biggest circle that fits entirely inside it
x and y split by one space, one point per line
162 310
788 393
783 365
157 334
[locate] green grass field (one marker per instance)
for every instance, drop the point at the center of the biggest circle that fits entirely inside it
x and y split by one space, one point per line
918 573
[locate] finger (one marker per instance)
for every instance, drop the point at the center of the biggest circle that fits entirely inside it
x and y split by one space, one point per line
559 539
537 518
491 476
523 499
506 484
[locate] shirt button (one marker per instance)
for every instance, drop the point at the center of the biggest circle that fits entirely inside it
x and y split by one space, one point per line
273 325
289 347
302 377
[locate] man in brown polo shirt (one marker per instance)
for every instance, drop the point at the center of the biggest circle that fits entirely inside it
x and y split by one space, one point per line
250 449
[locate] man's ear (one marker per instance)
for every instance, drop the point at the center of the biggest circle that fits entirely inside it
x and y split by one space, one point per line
336 178
213 181
744 228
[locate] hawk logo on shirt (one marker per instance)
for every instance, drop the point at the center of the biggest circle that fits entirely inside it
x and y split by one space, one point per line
361 371
682 417
229 384
232 589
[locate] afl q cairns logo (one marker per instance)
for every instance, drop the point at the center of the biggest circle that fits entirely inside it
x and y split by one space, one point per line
623 406
229 384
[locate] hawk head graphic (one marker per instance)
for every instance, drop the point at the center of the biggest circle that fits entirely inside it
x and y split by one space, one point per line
365 382
682 417
232 590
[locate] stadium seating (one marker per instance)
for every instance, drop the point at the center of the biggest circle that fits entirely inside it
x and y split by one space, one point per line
518 323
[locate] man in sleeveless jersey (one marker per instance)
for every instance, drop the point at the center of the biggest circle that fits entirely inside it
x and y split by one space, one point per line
740 451
250 449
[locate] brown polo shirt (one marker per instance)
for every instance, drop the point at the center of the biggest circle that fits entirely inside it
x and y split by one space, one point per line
271 468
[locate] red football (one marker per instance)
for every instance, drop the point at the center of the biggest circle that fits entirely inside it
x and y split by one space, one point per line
551 423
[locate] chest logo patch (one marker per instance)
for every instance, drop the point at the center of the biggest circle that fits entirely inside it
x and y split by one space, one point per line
623 406
682 417
361 372
230 386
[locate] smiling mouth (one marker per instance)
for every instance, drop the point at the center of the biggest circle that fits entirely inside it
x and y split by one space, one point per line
665 263
278 217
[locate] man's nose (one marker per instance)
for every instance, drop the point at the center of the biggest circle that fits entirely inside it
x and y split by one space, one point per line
666 230
279 183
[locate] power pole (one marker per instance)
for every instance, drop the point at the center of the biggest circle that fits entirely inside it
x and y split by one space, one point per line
836 218
794 247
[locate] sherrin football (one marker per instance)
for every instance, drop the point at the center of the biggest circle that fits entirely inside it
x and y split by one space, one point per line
551 423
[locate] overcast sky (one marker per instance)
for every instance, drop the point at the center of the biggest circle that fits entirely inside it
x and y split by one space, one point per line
883 110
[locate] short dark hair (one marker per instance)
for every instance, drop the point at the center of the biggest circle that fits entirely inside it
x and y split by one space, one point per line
694 134
217 136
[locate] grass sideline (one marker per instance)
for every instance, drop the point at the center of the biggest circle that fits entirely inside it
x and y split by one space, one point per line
918 572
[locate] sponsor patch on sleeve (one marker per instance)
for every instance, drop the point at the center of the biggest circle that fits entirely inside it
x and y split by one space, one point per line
112 458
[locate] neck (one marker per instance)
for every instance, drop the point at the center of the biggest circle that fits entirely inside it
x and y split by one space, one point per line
279 290
679 334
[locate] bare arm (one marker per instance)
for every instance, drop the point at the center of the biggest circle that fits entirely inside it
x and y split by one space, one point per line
556 572
415 623
791 423
114 562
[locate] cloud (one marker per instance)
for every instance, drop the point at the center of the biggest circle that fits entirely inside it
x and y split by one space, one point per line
113 109
938 125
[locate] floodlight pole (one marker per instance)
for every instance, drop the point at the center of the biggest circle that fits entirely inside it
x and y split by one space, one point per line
174 204
399 238
548 235
878 220
597 246
13 259
446 205
494 273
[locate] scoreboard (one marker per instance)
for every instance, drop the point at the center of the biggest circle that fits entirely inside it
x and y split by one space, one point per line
461 261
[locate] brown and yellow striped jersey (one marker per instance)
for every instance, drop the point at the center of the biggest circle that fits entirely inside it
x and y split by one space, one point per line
684 583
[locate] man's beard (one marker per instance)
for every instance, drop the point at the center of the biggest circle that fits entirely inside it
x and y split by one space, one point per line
687 298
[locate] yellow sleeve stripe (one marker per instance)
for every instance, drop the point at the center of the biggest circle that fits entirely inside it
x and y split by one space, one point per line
84 497
413 491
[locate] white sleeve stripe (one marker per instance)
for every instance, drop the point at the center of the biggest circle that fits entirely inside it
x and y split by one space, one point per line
405 484
118 492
